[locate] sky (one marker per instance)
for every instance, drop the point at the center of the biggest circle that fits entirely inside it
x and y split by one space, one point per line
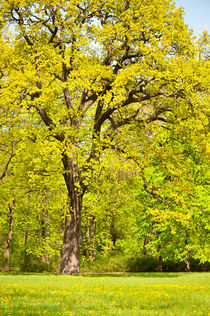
197 14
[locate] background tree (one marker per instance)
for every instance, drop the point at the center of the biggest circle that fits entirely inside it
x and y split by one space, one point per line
109 206
173 191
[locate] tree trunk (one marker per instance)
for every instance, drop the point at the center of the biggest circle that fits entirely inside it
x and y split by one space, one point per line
90 238
187 262
146 241
26 256
45 233
160 260
93 234
9 238
160 263
113 233
70 252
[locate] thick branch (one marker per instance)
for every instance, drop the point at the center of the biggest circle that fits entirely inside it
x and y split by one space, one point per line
53 34
49 122
20 21
6 166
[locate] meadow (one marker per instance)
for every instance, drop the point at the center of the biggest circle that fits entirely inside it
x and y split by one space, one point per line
105 294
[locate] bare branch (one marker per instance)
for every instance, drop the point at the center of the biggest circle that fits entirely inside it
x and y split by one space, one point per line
20 21
53 34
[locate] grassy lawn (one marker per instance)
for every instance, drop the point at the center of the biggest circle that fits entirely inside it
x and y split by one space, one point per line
111 294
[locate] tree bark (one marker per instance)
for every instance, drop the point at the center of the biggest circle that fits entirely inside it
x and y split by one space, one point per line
93 235
107 235
160 263
90 238
187 262
70 252
160 260
45 232
9 238
146 241
113 233
26 256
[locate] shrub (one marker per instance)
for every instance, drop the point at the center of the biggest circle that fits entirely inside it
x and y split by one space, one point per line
116 263
142 264
122 263
35 264
175 265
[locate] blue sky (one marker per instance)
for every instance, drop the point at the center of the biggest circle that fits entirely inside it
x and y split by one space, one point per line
197 14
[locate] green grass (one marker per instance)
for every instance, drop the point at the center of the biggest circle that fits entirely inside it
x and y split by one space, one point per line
105 294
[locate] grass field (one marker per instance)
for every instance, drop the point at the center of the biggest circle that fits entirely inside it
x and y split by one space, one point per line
111 294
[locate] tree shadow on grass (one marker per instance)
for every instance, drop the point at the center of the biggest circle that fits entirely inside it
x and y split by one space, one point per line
101 275
130 274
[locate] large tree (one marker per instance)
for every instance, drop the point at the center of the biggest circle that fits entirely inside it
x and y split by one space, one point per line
94 72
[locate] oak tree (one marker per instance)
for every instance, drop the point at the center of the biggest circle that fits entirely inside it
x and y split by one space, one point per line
93 73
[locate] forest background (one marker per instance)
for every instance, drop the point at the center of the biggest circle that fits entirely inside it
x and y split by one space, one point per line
103 137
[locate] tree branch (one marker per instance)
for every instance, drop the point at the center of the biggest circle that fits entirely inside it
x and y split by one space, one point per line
20 21
6 166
